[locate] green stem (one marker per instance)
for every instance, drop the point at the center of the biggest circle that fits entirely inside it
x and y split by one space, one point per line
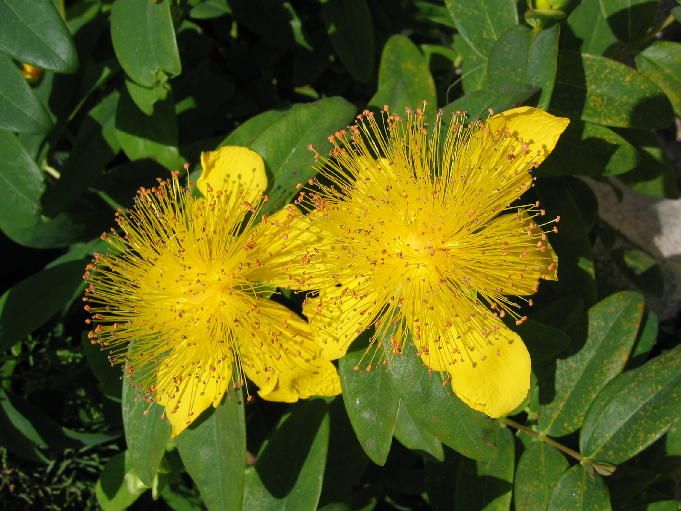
542 438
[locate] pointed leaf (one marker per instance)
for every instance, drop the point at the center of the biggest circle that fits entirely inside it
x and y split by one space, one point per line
410 434
577 490
118 486
20 109
661 63
482 23
613 328
213 450
539 469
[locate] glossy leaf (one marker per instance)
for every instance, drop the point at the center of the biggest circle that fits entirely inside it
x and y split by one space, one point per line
473 66
22 185
371 401
577 490
437 410
602 27
144 40
539 469
118 486
20 109
523 59
282 140
404 80
603 91
143 136
289 471
612 329
410 434
587 149
661 63
213 450
29 304
487 485
351 31
647 337
34 32
146 433
482 23
633 410
477 104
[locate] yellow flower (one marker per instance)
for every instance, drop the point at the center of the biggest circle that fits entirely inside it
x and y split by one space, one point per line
182 298
412 230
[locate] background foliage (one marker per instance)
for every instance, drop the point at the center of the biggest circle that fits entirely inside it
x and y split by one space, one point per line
99 97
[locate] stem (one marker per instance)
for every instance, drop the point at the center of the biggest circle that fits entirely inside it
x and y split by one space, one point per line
542 438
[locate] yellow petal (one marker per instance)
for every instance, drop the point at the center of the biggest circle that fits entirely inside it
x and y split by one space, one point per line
280 356
339 315
198 384
288 251
232 169
495 377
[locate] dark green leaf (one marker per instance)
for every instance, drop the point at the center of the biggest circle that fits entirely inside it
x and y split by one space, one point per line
655 174
33 301
521 59
118 486
661 63
144 40
477 104
587 149
603 91
143 136
641 268
371 402
404 79
22 185
487 485
633 410
602 26
34 32
473 66
436 409
274 27
213 450
544 342
281 138
539 469
108 376
289 472
410 434
146 97
209 9
613 327
351 31
146 432
482 23
20 109
647 337
577 490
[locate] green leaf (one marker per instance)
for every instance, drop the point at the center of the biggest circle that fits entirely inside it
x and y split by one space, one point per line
521 58
274 27
661 63
410 434
281 138
351 31
477 104
146 97
576 267
473 65
633 410
539 469
577 490
22 185
209 9
404 79
213 450
33 301
20 109
146 433
34 32
588 149
144 40
371 402
602 26
118 486
482 23
613 328
603 91
436 408
654 175
487 485
108 377
647 338
544 342
143 136
640 268
95 146
289 472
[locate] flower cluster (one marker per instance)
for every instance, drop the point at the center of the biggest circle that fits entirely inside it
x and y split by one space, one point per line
412 227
